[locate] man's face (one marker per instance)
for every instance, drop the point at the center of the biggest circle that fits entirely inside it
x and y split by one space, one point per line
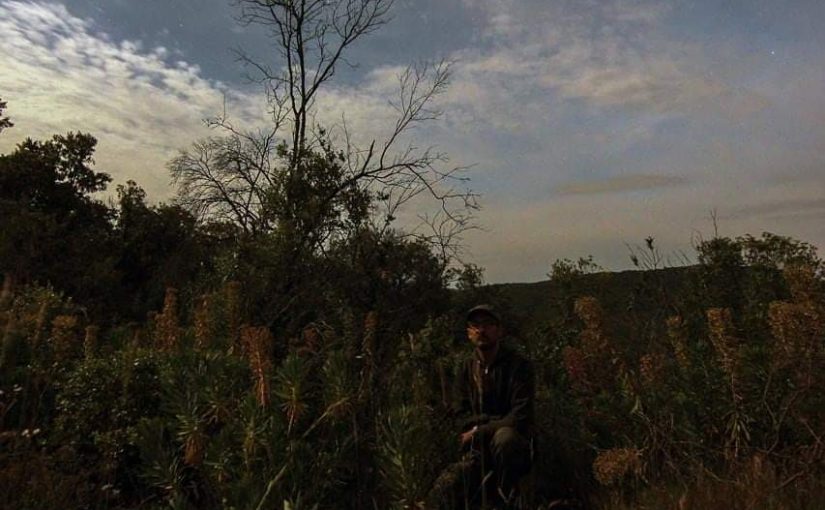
484 332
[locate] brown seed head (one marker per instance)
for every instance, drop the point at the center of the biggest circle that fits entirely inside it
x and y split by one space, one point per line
194 449
370 328
720 325
612 466
589 311
677 334
7 293
258 346
576 366
64 336
167 328
90 341
803 283
203 322
652 369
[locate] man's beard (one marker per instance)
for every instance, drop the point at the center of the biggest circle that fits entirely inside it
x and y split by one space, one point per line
487 345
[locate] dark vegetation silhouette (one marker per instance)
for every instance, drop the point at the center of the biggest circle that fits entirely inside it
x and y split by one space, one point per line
272 338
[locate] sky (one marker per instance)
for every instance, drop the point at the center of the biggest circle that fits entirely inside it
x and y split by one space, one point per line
587 125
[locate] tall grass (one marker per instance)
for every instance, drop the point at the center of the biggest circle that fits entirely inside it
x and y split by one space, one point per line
694 402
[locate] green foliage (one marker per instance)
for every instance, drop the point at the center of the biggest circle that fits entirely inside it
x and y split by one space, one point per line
5 123
406 471
291 389
158 247
670 390
697 383
55 231
52 230
399 278
469 277
565 270
646 380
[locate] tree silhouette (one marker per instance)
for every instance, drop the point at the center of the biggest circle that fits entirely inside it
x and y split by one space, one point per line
274 179
4 121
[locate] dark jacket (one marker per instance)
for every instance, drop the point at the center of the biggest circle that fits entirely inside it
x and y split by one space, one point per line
508 392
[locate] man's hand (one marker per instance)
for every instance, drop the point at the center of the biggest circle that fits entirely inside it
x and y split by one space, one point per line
466 437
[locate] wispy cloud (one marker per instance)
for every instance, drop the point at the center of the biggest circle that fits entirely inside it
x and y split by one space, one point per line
782 208
610 53
619 184
60 74
553 101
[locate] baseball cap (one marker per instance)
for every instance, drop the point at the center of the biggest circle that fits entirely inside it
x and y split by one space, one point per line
483 309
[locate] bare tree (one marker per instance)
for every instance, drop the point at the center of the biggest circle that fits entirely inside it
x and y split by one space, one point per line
311 38
235 178
227 178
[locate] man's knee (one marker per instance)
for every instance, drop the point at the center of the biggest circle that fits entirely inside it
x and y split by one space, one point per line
510 446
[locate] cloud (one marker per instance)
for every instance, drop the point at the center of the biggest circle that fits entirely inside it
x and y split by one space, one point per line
60 74
607 53
619 184
545 94
782 208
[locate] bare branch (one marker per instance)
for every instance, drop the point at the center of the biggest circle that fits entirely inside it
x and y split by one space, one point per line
236 178
226 178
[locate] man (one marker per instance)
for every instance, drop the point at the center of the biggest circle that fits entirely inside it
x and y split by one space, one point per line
494 399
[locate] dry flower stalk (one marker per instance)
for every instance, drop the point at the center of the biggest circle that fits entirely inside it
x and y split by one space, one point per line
720 326
232 293
677 334
40 324
798 327
589 311
652 369
310 341
167 328
7 300
7 293
758 479
90 341
64 336
576 366
203 322
7 346
194 449
368 353
613 465
593 340
258 346
803 284
789 322
370 329
592 365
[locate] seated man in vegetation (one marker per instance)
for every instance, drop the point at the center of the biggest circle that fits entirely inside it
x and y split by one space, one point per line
494 400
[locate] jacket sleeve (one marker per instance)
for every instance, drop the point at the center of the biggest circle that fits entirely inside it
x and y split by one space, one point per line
521 395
